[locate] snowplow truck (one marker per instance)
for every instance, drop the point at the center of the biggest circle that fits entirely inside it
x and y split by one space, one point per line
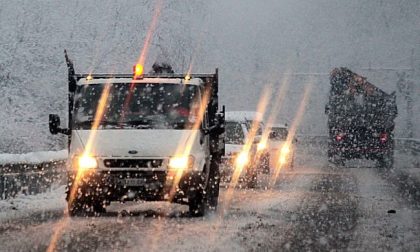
151 137
360 119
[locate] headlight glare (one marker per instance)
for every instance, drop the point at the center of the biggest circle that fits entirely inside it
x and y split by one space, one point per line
181 162
285 150
242 159
86 162
261 146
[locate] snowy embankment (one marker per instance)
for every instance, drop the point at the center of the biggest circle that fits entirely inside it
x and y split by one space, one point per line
30 173
26 205
33 157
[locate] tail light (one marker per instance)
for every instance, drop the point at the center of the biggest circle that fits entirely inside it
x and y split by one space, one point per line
383 137
339 137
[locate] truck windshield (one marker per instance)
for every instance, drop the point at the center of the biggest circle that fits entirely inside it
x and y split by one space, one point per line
137 106
234 133
259 129
278 134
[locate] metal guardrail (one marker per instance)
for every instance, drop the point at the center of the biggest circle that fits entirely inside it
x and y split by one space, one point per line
414 145
401 143
33 178
29 178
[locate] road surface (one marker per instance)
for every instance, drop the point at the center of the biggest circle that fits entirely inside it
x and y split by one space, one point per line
314 207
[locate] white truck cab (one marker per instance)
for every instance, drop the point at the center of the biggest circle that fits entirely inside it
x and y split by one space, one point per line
148 137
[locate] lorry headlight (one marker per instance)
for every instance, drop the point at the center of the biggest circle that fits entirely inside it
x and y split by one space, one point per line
86 162
181 162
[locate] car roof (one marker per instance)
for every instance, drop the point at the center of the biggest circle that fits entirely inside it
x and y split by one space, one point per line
279 125
242 116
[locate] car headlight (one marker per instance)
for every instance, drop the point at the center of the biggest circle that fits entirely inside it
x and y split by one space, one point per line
181 162
261 146
282 159
86 162
285 150
242 159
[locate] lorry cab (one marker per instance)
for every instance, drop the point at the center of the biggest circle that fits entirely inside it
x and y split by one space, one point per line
148 137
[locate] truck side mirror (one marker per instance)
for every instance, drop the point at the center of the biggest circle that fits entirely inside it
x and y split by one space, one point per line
220 118
54 123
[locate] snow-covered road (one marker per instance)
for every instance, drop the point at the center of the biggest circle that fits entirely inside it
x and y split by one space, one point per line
314 207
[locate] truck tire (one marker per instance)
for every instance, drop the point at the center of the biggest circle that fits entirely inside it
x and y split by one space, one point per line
85 206
213 186
204 199
197 204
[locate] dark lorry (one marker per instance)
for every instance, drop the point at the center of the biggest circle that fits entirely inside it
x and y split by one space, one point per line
360 119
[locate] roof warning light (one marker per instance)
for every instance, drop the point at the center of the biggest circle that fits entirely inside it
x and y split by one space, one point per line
138 70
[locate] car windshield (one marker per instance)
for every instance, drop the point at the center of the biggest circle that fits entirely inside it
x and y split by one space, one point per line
278 134
138 105
260 127
234 133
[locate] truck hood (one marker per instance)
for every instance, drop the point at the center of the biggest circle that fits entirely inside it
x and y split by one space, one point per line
141 143
276 145
231 149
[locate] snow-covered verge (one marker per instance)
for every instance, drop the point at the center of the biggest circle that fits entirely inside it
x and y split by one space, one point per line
33 157
26 205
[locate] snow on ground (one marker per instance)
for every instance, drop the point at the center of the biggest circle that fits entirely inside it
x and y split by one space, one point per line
313 207
25 205
33 157
379 227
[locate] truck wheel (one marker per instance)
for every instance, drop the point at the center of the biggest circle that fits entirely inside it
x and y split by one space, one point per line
85 206
213 186
207 198
197 204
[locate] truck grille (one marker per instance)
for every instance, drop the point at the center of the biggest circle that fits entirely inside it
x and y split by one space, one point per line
133 163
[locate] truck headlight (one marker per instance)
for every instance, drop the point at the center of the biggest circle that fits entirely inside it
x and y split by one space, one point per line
181 162
86 162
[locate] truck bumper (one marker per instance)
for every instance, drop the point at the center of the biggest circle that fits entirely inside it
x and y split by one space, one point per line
358 152
139 185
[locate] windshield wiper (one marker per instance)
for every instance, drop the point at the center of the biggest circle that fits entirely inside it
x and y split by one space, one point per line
141 124
102 123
